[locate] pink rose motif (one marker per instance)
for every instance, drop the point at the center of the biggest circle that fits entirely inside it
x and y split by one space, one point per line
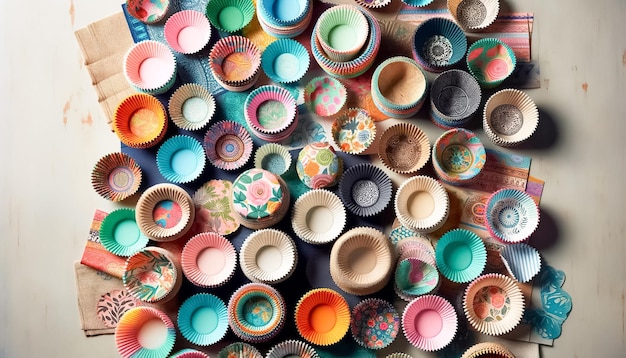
321 110
371 323
481 310
497 300
496 69
384 326
474 54
259 192
321 181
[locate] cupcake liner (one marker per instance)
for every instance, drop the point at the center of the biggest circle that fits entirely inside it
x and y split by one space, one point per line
150 67
365 189
386 323
191 107
259 195
422 204
455 95
510 117
208 260
458 156
325 96
398 355
461 255
239 349
342 31
353 131
181 159
284 31
285 60
429 322
140 121
148 12
485 349
187 31
438 44
228 145
473 15
404 148
213 210
188 353
400 232
493 304
235 61
490 61
270 109
145 332
415 241
522 261
415 277
257 312
284 13
392 113
417 3
292 348
419 253
152 275
268 256
116 176
230 15
446 123
273 157
120 234
373 4
322 316
165 212
361 261
203 319
318 165
318 217
399 84
511 215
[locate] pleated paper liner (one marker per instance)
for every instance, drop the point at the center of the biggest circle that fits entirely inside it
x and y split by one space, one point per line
418 253
458 156
140 121
490 61
276 137
455 96
318 217
257 312
511 215
284 13
398 355
235 62
187 31
522 261
284 31
429 322
230 15
165 212
365 189
145 332
439 44
510 117
239 349
292 348
461 255
116 176
393 113
189 353
227 145
152 275
446 123
203 319
318 165
325 95
150 66
486 350
415 241
181 159
273 157
422 204
373 4
270 109
208 260
285 60
353 131
322 316
385 319
417 3
191 107
120 234
342 31
148 12
474 15
493 304
414 277
213 210
400 86
404 148
268 256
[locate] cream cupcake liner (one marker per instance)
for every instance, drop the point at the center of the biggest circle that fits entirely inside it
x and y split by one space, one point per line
292 348
312 211
398 355
158 229
404 148
373 4
487 349
510 117
193 251
427 190
474 15
191 107
273 157
268 256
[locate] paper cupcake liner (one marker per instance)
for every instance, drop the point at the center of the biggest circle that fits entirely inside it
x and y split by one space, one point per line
152 275
235 60
510 117
165 212
429 322
268 256
418 253
511 215
239 349
422 204
399 84
135 335
277 137
150 66
116 176
140 121
278 208
398 355
286 31
373 4
285 60
188 353
260 198
208 260
181 159
203 319
455 95
353 131
120 234
284 13
257 312
385 319
404 148
493 304
342 31
230 15
273 157
325 96
415 277
291 348
228 145
318 217
148 12
191 107
438 44
365 189
461 255
447 124
490 61
240 86
187 31
474 15
213 210
522 261
318 165
361 261
487 349
322 316
414 241
417 3
398 114
270 109
458 156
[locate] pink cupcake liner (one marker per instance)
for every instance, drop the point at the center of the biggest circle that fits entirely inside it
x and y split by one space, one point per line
208 260
187 31
278 106
429 322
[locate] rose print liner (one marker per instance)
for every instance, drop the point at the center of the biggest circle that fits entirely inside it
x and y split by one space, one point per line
374 323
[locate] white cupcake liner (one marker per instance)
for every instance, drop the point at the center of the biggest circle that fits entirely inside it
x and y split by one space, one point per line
487 349
510 117
284 254
191 107
305 209
474 15
428 189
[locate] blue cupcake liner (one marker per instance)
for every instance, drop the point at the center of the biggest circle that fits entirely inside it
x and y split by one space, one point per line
120 234
417 3
181 159
511 215
522 261
279 49
451 34
281 13
203 319
461 255
370 181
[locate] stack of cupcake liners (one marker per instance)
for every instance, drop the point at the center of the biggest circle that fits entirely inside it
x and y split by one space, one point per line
256 312
287 20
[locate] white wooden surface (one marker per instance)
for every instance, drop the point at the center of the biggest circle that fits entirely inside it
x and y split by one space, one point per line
53 132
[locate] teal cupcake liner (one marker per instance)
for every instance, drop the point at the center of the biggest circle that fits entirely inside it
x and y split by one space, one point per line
181 159
230 15
203 319
417 3
438 44
415 277
284 13
120 234
490 61
511 215
285 61
461 255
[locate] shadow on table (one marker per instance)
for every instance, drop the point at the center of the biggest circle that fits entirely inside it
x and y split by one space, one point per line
547 234
547 134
